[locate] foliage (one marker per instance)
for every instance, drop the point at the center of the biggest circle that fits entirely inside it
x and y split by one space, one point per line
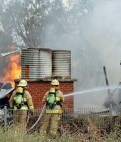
73 129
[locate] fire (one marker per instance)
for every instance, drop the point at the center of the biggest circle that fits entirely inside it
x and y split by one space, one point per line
13 70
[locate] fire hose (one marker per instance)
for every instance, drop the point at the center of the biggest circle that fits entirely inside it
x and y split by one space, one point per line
43 109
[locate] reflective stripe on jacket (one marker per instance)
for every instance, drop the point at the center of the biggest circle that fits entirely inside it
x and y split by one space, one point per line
53 111
24 107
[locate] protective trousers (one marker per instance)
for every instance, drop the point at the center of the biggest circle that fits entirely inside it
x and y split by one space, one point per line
20 120
50 124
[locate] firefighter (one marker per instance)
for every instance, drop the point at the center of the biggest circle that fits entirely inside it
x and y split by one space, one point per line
21 102
53 100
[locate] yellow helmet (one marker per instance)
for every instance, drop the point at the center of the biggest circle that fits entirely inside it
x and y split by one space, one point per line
19 90
23 83
55 82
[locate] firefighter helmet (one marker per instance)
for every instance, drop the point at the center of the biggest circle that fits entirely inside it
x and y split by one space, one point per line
19 90
23 83
55 82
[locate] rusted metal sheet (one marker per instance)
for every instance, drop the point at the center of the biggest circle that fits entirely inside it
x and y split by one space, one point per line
36 63
5 89
61 61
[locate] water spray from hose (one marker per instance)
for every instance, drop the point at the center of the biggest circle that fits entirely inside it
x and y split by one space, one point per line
72 94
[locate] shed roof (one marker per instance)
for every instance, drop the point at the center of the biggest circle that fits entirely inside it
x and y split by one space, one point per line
5 88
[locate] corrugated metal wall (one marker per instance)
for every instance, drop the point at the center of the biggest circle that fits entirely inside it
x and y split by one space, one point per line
39 63
61 63
36 63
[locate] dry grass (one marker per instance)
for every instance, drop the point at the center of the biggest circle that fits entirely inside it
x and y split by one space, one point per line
90 129
11 136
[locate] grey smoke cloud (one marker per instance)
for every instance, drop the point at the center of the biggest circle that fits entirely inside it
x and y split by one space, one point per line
104 33
95 43
94 40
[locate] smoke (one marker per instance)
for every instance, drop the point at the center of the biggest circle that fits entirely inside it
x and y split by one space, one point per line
94 42
91 30
104 33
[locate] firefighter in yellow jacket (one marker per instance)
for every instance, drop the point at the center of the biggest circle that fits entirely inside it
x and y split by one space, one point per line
53 99
21 102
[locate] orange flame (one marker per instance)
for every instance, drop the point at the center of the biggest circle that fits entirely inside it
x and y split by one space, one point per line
13 71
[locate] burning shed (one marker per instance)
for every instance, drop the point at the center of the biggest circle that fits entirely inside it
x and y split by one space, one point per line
40 66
